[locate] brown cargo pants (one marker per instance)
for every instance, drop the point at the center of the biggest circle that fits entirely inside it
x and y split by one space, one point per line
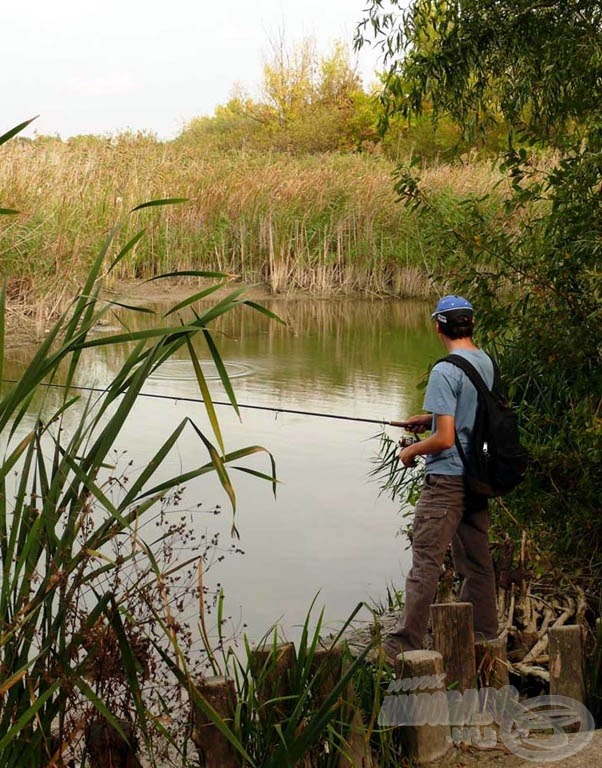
446 513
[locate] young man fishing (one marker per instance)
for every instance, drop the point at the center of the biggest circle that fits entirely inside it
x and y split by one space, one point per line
446 511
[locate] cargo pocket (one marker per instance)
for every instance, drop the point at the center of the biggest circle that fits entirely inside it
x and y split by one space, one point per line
428 511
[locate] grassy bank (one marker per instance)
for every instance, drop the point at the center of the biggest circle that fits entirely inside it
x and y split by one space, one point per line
324 223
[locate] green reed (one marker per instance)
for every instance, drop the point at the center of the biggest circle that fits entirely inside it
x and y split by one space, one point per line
80 582
300 704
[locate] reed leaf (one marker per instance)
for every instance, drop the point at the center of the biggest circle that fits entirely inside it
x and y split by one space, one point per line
198 273
194 298
206 394
27 717
219 464
17 129
221 369
157 203
129 246
184 477
69 537
152 466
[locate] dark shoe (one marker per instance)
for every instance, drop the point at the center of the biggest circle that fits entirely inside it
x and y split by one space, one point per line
392 647
388 651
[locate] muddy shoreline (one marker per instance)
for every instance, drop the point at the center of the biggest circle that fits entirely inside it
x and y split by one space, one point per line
26 324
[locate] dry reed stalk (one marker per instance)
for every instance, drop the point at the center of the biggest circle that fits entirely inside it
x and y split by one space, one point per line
326 223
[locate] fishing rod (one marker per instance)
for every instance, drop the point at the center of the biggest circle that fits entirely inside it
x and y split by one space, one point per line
271 408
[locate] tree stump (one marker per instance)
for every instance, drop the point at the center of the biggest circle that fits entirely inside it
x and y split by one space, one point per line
566 662
327 667
107 748
453 638
426 732
491 663
271 668
213 748
326 670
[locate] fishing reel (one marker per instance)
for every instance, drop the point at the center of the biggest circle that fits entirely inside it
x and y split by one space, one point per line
405 441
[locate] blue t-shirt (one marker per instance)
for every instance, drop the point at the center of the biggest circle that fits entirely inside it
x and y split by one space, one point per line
450 392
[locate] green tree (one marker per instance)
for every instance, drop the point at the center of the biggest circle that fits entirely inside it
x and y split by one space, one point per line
235 125
308 103
290 78
317 103
535 271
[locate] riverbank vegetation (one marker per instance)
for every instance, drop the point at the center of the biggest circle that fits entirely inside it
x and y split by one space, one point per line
92 597
102 660
533 272
291 189
325 224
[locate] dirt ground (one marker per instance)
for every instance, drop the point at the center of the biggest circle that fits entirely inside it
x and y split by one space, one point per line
175 290
499 757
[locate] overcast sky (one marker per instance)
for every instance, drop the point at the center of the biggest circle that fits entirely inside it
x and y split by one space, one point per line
152 65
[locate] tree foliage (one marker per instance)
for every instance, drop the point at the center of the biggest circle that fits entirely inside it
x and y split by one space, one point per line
534 272
312 103
536 63
308 103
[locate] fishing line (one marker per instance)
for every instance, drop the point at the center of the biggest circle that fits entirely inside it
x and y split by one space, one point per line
272 409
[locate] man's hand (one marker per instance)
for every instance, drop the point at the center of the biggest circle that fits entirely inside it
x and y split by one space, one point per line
419 424
408 455
440 440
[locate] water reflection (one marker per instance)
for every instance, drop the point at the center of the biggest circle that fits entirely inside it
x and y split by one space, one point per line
327 531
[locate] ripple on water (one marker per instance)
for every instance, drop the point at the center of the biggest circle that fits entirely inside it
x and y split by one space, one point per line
182 370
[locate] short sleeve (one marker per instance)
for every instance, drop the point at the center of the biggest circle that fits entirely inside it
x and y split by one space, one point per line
442 390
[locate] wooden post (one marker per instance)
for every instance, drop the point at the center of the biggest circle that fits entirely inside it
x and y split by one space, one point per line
566 662
214 749
453 638
357 753
327 668
491 663
271 668
107 748
422 675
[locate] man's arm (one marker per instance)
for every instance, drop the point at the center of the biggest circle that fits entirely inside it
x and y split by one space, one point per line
444 437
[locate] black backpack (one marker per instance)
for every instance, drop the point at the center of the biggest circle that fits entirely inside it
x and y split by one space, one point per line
497 462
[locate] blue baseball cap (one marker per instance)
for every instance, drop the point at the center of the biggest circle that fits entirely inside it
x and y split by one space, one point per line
451 307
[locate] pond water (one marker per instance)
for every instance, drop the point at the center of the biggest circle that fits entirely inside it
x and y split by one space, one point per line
327 533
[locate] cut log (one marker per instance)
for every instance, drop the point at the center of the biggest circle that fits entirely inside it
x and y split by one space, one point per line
453 638
491 663
566 662
271 667
213 748
106 747
424 742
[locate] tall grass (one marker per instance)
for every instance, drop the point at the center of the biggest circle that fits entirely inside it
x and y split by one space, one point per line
78 571
304 705
322 223
89 618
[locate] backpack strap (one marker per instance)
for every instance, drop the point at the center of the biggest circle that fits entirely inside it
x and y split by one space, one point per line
476 378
